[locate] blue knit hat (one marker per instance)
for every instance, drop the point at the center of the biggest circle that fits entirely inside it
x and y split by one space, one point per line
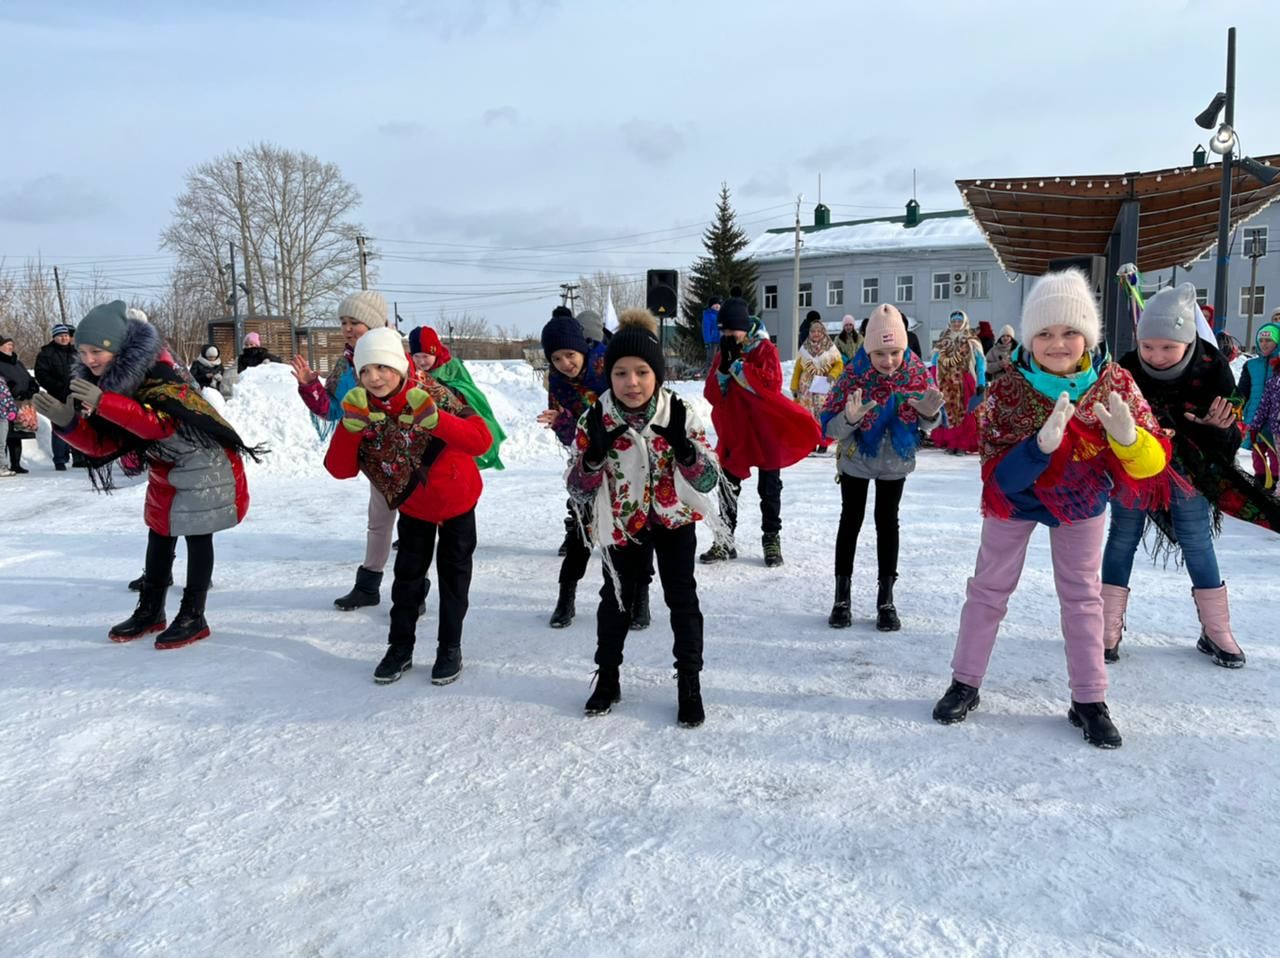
735 314
563 332
62 329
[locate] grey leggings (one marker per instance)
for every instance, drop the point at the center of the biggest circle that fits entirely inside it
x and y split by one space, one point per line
382 527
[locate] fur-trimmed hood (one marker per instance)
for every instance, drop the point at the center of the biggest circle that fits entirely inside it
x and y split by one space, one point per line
139 351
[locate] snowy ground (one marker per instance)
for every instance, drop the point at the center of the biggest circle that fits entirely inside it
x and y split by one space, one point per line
257 794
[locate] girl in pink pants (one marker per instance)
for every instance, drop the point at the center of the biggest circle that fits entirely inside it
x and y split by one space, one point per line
1058 434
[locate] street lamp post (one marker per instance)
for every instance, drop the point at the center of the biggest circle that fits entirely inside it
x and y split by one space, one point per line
1224 203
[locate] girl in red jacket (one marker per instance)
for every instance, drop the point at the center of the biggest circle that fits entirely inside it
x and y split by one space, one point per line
130 404
421 460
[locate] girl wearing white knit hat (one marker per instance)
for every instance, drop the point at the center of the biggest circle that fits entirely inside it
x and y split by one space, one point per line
1060 433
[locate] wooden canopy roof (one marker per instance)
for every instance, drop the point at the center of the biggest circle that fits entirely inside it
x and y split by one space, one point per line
1029 222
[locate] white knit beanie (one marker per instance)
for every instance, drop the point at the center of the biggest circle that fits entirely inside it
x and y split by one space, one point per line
383 347
1062 299
365 306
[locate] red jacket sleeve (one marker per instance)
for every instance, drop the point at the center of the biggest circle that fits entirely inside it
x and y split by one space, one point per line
131 415
88 440
469 435
342 459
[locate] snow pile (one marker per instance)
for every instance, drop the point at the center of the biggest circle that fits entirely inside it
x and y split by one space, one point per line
517 394
266 408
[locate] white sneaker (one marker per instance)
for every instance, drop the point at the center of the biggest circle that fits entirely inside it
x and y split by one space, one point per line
6 472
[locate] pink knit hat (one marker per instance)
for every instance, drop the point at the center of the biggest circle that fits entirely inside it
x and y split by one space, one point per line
251 340
885 329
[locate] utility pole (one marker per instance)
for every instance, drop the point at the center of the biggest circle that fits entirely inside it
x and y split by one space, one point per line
244 234
1224 207
236 325
364 259
569 296
275 268
62 307
795 314
1258 251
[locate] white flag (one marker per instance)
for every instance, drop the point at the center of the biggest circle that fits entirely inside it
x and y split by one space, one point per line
610 314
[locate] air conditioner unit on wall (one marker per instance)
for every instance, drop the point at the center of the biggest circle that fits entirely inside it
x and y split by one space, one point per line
959 283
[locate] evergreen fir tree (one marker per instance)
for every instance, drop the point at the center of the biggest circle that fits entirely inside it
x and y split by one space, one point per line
718 273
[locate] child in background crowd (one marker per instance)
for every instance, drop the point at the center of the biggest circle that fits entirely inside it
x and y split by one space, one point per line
756 427
818 365
431 356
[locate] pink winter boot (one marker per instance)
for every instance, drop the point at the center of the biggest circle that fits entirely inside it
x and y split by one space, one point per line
1215 627
1115 599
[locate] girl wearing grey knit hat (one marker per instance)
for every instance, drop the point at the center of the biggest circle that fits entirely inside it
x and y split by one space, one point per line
1189 387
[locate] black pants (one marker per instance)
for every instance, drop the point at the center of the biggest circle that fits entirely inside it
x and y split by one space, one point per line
574 566
853 508
769 484
675 550
160 550
454 542
14 448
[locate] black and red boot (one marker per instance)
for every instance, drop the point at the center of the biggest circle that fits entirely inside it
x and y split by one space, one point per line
148 617
189 625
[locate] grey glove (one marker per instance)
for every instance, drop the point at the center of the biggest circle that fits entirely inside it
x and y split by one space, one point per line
59 413
86 392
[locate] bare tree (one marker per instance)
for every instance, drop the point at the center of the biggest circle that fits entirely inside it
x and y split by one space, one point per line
593 291
302 244
461 325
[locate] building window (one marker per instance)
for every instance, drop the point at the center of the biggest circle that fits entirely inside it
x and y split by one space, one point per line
835 292
979 284
771 296
1255 241
906 291
870 291
1202 296
806 295
941 286
1259 299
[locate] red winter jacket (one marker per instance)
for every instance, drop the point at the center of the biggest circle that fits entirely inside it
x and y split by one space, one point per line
164 512
453 481
756 426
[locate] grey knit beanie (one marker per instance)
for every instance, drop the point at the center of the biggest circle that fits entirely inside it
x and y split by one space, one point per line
1170 314
104 326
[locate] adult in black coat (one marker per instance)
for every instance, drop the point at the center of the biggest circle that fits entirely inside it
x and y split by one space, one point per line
54 365
22 387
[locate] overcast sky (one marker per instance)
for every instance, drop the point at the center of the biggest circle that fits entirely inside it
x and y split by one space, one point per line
602 129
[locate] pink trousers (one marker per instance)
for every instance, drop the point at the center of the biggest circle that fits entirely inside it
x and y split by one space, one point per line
1077 557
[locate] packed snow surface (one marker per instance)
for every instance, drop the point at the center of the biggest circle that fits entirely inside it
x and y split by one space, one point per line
256 794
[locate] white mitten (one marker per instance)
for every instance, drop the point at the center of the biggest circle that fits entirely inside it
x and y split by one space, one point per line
1055 427
1117 420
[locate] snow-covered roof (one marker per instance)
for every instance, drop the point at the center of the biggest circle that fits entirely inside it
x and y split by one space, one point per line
934 231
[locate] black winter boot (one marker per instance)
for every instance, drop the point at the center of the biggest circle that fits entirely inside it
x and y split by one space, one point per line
606 694
365 592
640 609
772 543
886 615
563 615
148 617
189 625
689 697
956 702
397 661
1095 720
719 553
137 584
841 616
448 665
